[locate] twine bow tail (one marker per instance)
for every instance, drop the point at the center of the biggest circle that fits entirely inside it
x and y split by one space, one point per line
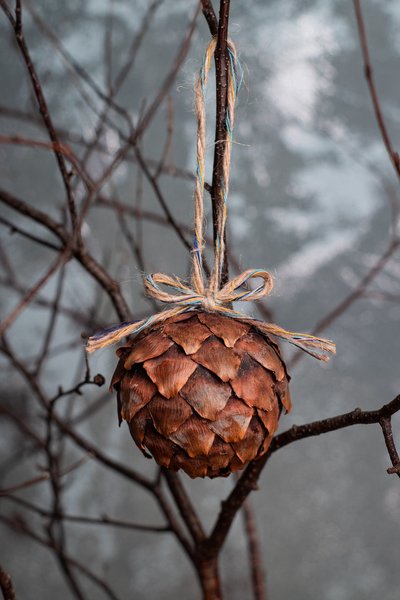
185 299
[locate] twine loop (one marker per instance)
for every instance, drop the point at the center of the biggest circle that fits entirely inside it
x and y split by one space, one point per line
208 300
202 294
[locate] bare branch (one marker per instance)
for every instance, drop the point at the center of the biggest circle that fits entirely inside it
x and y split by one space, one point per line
248 480
210 16
21 527
369 75
221 78
6 585
185 506
255 553
42 105
386 424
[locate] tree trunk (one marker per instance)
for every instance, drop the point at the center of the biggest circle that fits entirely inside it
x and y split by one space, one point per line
209 579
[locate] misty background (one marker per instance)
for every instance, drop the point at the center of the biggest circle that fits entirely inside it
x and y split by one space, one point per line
311 200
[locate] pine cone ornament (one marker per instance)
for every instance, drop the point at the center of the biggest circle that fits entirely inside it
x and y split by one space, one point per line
201 392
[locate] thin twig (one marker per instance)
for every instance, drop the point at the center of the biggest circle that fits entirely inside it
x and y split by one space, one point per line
16 23
24 303
255 554
210 16
184 505
28 235
52 322
369 75
103 520
45 477
20 527
157 191
386 424
354 295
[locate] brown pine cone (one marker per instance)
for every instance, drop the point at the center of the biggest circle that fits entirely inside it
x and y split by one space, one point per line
201 392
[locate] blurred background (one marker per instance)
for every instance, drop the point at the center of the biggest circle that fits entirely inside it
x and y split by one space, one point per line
313 199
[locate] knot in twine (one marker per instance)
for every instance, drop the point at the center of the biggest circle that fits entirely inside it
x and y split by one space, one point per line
202 295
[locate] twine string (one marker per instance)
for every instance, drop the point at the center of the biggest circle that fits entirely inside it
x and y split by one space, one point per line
234 83
202 295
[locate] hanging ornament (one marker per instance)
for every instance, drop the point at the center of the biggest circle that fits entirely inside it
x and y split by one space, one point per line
202 385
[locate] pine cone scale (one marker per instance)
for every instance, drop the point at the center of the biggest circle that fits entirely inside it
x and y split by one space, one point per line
168 415
254 384
147 348
137 391
219 359
190 338
170 371
233 421
265 355
228 330
197 391
195 437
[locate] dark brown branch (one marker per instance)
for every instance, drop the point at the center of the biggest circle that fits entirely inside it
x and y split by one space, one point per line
172 520
207 571
77 438
116 523
210 16
136 213
110 463
6 585
21 527
386 424
80 253
105 281
369 75
29 236
185 506
249 479
130 474
16 23
78 138
24 484
156 189
59 147
145 121
33 213
221 78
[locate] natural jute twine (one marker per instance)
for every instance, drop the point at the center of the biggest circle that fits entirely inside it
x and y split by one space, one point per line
202 294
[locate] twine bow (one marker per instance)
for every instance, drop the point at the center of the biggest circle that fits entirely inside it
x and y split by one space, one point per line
204 295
